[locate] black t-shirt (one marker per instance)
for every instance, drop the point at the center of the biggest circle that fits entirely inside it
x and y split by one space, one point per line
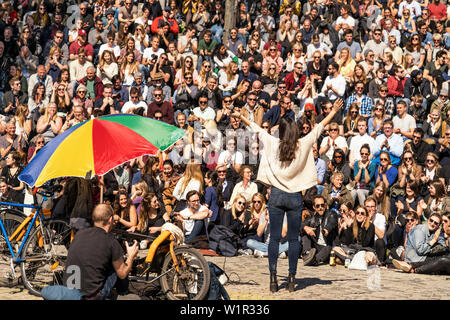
93 250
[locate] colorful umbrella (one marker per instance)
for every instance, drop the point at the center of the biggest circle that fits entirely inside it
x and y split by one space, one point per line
96 146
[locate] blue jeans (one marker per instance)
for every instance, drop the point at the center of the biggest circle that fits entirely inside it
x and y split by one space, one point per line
264 247
281 202
199 228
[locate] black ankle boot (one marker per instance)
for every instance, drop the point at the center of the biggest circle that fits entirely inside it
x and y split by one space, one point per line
291 282
273 282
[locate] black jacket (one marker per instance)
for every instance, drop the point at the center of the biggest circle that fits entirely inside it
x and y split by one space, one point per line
329 222
365 239
411 88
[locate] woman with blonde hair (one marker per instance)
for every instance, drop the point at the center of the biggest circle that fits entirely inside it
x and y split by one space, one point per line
107 67
191 180
23 124
433 127
61 98
273 56
383 201
204 74
228 79
346 64
141 38
394 49
49 124
128 67
408 63
351 120
187 66
55 63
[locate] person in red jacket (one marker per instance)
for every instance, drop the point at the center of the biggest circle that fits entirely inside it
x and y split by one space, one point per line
157 23
396 83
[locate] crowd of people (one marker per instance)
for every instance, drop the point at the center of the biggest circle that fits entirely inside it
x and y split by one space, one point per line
382 163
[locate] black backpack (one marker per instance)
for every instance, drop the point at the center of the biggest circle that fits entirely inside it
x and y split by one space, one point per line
223 241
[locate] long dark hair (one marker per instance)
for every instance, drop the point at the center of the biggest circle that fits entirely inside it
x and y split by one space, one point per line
117 208
216 184
289 135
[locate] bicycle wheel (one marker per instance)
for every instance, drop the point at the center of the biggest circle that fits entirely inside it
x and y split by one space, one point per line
43 262
193 279
60 231
11 219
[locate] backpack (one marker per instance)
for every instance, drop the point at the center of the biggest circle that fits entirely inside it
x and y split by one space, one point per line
223 241
216 289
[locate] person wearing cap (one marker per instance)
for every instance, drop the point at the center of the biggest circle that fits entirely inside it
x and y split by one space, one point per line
128 13
81 42
157 23
158 82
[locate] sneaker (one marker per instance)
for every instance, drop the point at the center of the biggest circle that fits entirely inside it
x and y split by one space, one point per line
282 255
401 265
308 258
258 254
245 252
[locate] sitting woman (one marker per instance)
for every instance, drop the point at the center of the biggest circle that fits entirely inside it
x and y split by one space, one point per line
191 181
140 191
409 170
386 172
437 201
49 124
246 187
10 174
432 171
125 215
150 218
356 234
434 125
336 193
338 164
213 194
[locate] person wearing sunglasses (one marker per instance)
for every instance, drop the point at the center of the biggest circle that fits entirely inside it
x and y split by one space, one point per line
423 254
357 234
160 105
363 175
386 172
397 251
193 217
318 232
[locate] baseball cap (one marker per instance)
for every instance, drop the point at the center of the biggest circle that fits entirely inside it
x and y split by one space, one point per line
82 32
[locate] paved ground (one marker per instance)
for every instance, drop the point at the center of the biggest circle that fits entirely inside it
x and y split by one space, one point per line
249 280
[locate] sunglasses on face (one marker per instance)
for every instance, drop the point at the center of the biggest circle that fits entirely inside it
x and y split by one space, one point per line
407 159
320 205
434 222
240 203
430 161
265 127
410 220
257 201
360 213
221 171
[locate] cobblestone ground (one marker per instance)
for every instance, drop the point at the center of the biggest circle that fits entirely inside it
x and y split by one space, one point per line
249 280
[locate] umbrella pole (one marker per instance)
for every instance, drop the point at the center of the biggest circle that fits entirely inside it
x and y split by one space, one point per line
101 189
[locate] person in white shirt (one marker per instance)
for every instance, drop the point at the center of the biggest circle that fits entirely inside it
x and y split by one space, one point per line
193 217
333 141
334 85
345 21
246 187
404 123
110 46
202 112
133 104
358 141
231 157
379 221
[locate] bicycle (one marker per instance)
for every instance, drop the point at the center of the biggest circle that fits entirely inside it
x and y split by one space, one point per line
182 270
38 245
